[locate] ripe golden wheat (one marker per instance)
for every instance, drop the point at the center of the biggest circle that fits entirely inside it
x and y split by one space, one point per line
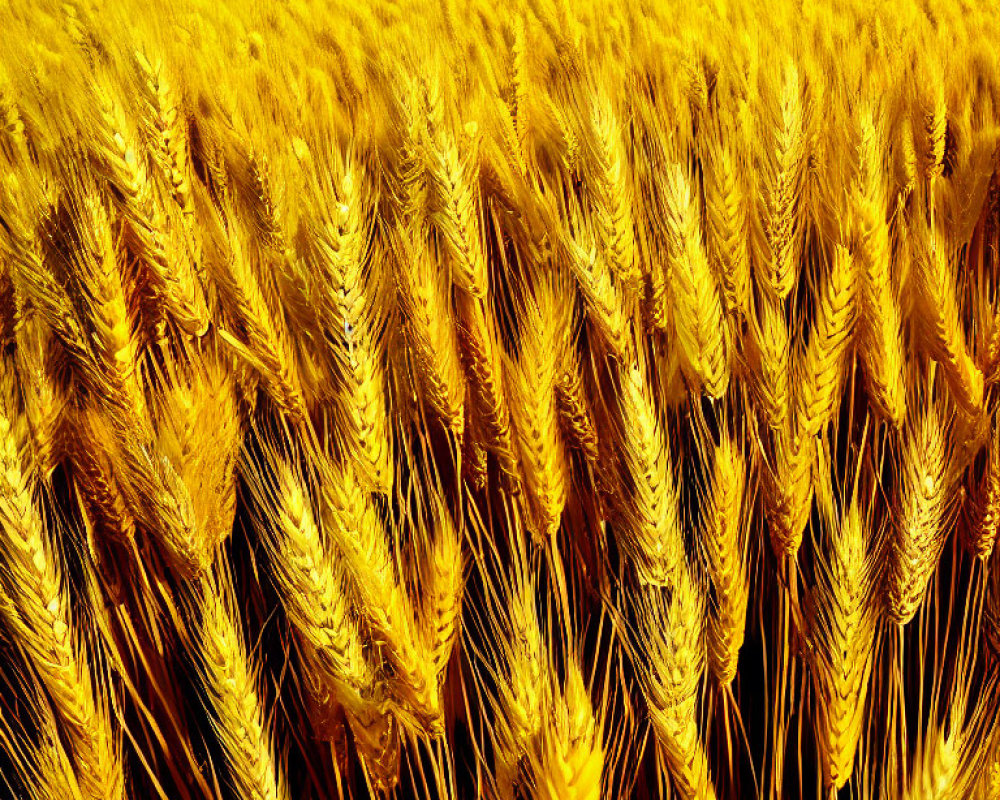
470 399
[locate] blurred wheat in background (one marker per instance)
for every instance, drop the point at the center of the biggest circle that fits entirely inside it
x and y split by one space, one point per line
471 399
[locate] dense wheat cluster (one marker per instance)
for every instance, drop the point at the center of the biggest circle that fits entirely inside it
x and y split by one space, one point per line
541 400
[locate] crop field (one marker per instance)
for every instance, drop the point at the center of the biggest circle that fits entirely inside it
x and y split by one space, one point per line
471 400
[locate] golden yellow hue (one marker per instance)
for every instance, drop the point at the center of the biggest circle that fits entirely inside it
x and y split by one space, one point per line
487 400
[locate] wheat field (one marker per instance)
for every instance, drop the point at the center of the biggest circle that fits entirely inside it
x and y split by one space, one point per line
470 399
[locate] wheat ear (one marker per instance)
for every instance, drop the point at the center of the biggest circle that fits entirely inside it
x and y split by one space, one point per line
919 535
880 322
534 409
39 758
604 302
522 691
232 697
360 538
698 317
36 357
431 332
611 194
820 373
262 340
94 475
160 242
28 203
311 580
843 631
671 633
725 541
567 756
353 325
457 215
167 125
986 502
443 567
575 411
198 435
773 392
782 221
790 490
727 221
97 281
651 528
943 326
38 614
483 358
